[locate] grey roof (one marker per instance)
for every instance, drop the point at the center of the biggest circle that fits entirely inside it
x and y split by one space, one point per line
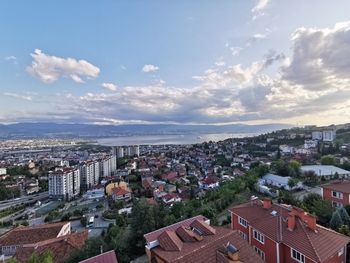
324 170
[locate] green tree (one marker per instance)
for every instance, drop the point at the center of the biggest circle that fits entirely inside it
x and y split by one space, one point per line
292 182
344 216
328 160
336 221
294 168
46 257
83 221
142 222
315 204
344 229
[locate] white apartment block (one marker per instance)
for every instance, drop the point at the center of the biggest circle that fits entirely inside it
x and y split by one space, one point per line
64 183
108 166
329 135
89 174
325 135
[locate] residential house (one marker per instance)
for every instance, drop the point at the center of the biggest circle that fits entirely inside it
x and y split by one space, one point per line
194 240
208 183
278 181
121 194
61 247
281 233
338 193
169 199
20 236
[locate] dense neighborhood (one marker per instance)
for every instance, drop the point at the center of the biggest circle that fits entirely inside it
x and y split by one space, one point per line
275 197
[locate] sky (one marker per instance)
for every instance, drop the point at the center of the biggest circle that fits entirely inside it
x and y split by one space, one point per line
176 62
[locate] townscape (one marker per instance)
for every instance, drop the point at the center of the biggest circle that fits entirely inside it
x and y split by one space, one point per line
187 131
115 198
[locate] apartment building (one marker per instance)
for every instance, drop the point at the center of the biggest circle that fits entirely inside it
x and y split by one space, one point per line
280 233
338 193
64 183
89 174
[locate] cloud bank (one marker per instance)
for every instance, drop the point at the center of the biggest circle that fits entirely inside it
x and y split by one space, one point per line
50 68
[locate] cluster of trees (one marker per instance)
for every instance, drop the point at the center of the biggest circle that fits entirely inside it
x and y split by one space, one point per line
286 168
8 193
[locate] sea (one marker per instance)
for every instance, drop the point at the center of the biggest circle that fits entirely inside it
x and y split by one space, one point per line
169 139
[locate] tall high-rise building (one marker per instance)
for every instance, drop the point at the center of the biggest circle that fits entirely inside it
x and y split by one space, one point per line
89 174
64 183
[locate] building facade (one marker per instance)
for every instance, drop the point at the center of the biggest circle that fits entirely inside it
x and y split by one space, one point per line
281 233
64 183
337 193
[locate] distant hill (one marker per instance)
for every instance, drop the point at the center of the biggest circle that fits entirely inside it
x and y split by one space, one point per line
33 130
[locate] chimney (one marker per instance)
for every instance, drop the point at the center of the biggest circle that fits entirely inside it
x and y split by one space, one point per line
253 199
298 212
310 220
267 203
291 221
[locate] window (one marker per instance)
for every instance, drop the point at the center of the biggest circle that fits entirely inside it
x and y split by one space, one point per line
336 204
260 252
341 252
297 256
258 236
337 195
243 222
244 235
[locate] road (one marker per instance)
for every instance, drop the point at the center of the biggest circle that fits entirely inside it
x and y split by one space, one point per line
300 195
24 200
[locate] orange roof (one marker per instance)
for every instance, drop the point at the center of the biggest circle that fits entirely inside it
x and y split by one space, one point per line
209 249
317 245
120 191
152 236
61 247
27 235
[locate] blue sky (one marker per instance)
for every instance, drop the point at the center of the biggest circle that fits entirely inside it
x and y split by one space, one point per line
258 61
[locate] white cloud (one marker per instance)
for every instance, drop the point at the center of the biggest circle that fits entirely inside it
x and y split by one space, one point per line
50 68
309 84
149 68
109 86
10 58
258 9
220 63
18 96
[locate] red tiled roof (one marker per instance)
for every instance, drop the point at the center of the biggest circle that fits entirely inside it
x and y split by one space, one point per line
185 234
206 250
61 247
317 245
343 187
120 191
107 257
153 236
203 227
33 234
169 241
210 180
